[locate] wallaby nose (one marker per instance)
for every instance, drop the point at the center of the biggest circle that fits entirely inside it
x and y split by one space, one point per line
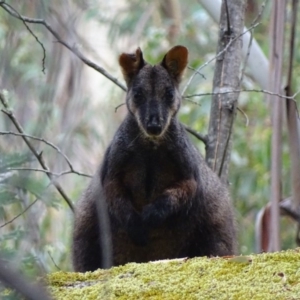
154 126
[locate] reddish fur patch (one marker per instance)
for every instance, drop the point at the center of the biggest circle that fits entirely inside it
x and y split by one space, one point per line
176 61
181 193
131 64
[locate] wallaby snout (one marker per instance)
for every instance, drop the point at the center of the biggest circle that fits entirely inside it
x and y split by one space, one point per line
154 126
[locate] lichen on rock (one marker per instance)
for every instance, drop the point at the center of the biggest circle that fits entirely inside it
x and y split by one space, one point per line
262 276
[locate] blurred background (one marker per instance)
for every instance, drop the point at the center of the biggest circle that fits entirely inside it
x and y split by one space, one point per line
73 107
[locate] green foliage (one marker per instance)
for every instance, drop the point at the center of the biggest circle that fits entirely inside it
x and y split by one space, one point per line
19 189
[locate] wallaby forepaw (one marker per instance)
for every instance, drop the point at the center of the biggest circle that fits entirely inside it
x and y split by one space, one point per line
154 214
137 231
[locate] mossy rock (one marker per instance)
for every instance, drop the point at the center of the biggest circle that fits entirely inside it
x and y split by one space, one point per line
262 276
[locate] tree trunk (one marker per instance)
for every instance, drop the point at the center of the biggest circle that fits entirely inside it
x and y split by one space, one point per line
257 64
275 86
226 79
293 124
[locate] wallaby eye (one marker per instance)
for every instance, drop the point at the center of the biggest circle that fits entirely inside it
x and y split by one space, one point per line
138 97
169 95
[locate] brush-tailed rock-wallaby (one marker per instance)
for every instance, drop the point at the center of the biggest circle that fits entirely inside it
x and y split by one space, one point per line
162 200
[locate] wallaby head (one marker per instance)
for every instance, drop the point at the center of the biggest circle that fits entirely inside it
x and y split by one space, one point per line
153 97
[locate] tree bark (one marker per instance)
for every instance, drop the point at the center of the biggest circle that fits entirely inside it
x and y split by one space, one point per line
293 125
226 79
275 86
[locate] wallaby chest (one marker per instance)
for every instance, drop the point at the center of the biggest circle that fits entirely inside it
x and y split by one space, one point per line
148 173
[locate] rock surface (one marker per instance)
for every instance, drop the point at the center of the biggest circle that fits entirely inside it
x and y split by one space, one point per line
262 276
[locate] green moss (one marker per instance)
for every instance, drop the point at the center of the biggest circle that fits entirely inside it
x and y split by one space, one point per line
263 276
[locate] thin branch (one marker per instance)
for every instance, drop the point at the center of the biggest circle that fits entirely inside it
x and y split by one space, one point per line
187 128
195 70
118 106
57 267
256 20
73 49
72 170
184 98
33 150
20 214
244 90
247 57
30 31
37 139
56 175
216 56
198 135
244 114
191 101
260 13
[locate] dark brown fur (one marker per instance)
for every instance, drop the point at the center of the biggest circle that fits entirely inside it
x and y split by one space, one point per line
163 200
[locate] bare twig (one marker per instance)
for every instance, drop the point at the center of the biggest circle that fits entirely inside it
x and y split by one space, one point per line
72 170
292 98
244 114
256 20
118 106
56 175
20 214
73 49
244 90
198 135
191 101
187 128
195 70
56 266
33 150
30 31
216 56
38 139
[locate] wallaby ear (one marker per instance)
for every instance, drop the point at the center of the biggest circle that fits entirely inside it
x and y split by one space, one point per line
131 64
175 61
